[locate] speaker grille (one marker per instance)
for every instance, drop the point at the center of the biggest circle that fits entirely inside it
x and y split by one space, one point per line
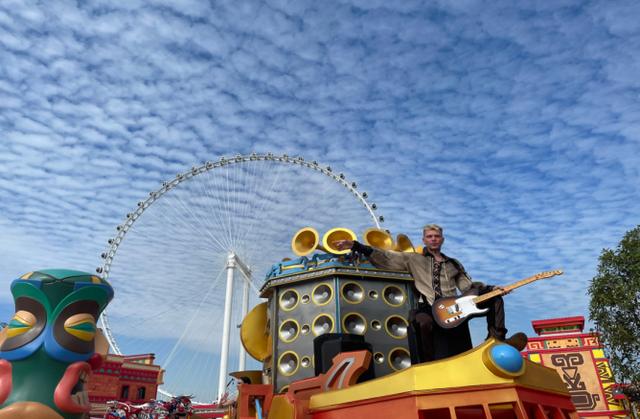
354 323
289 330
396 326
352 292
393 295
322 294
288 363
399 359
378 358
322 324
305 362
289 299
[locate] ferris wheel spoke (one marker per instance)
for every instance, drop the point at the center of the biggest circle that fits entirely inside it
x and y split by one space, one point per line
204 226
169 358
173 214
251 180
196 226
263 203
222 205
214 220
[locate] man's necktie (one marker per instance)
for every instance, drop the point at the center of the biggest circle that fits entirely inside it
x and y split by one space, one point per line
437 266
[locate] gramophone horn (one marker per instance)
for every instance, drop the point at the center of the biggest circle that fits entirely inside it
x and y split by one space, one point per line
378 238
335 234
255 333
403 244
305 241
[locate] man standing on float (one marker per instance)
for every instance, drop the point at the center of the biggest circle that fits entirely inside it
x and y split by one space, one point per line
436 275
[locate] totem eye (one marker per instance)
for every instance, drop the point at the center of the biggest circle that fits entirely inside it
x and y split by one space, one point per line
74 329
26 324
22 322
82 326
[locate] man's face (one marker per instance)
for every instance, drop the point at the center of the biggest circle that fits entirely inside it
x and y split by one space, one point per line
432 239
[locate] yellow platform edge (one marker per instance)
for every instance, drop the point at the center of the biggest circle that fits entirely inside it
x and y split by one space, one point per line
464 370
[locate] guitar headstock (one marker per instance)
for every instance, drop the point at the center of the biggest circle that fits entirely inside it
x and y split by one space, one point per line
548 274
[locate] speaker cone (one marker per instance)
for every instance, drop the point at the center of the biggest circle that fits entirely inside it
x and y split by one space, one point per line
322 324
373 294
289 330
393 295
305 362
305 329
288 363
354 323
353 293
378 358
396 326
399 359
289 300
322 294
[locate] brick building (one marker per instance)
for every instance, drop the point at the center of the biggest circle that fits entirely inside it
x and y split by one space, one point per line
133 378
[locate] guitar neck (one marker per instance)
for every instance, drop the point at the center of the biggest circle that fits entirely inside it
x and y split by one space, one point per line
484 297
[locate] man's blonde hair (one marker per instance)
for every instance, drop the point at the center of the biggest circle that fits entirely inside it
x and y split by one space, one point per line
433 227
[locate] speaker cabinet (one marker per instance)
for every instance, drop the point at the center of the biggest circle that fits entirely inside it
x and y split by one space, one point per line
377 309
370 305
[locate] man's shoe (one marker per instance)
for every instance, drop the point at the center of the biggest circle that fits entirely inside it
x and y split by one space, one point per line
518 341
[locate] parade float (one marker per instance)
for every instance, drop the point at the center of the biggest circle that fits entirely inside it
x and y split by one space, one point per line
329 330
332 338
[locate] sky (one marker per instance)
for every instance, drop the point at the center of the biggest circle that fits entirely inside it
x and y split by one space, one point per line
514 125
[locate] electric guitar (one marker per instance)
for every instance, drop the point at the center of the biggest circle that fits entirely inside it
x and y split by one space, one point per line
449 312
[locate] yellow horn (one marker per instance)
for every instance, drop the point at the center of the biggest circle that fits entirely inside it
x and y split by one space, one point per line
378 238
255 334
403 244
335 234
305 241
420 249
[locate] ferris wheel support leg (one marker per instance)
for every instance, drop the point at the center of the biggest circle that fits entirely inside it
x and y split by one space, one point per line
245 310
224 349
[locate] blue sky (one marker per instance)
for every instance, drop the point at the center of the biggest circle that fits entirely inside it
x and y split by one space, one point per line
515 126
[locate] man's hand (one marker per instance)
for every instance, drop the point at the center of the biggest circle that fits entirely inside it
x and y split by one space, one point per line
505 291
343 244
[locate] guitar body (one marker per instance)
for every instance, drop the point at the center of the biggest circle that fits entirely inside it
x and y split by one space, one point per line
449 312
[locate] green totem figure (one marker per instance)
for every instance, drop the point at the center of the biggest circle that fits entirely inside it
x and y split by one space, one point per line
48 348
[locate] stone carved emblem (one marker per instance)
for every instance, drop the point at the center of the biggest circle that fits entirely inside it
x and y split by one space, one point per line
580 396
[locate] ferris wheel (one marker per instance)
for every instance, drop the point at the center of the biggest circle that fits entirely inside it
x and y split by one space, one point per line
229 219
